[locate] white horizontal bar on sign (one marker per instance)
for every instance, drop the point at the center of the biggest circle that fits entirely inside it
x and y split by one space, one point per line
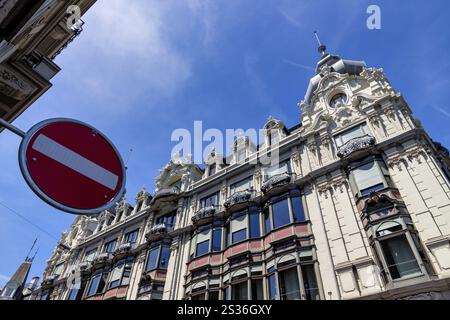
74 161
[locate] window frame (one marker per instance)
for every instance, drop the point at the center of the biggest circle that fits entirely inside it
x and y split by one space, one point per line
107 245
159 247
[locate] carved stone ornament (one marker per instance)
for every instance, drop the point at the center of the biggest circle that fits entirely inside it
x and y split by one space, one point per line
239 197
204 213
356 144
276 181
13 85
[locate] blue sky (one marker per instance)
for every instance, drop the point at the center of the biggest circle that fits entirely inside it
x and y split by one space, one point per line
143 68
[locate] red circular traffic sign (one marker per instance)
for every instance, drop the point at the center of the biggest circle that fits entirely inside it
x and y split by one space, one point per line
72 166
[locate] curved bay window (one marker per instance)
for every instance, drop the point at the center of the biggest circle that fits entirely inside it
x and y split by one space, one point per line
244 225
98 282
284 210
207 239
158 257
292 281
369 175
399 251
120 275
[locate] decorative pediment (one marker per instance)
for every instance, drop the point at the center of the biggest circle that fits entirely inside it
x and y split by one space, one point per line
178 172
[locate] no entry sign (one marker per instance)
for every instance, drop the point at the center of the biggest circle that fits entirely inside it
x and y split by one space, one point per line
72 166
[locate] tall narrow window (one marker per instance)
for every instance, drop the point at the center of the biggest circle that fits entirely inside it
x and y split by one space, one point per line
257 289
281 216
273 291
310 283
289 285
131 237
152 260
239 225
217 240
267 221
211 200
255 229
297 207
164 258
370 175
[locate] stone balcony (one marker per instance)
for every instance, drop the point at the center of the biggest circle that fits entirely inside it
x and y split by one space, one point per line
356 144
165 195
124 249
158 230
85 266
205 213
276 181
50 280
240 198
102 259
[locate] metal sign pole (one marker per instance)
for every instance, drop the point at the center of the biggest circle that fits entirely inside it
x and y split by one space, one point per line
12 128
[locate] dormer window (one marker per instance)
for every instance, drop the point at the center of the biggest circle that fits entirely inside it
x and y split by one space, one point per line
274 138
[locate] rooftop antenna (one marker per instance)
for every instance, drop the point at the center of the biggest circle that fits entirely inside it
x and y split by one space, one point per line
29 252
322 48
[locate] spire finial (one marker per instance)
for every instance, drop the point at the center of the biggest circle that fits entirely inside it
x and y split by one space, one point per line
31 249
322 48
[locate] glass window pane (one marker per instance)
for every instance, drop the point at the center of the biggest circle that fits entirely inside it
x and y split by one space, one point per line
297 208
273 287
164 258
110 246
131 237
243 185
310 283
400 258
93 286
202 248
217 240
240 291
267 222
289 286
257 290
73 295
281 215
255 230
239 236
152 259
368 176
116 274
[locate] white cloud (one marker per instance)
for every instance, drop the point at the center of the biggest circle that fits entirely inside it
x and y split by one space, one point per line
442 111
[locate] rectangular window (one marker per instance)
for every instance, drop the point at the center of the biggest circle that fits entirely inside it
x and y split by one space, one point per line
169 219
73 294
370 177
359 131
289 285
127 273
273 295
202 248
257 290
212 200
164 258
239 236
217 240
297 208
110 246
243 185
116 275
281 215
239 225
90 255
282 167
400 258
240 291
267 222
310 283
152 260
131 237
255 229
226 293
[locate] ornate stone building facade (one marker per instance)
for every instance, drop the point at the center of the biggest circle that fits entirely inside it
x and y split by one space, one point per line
32 34
358 208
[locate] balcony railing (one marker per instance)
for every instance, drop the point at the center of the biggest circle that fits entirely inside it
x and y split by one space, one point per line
159 229
240 197
275 181
124 248
355 144
85 266
205 213
102 258
50 280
